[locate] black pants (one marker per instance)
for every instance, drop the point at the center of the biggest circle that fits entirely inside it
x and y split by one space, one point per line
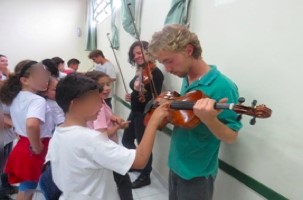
4 155
200 188
135 131
124 186
5 186
6 151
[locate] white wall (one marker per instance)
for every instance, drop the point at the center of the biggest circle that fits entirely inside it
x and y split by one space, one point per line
258 44
35 29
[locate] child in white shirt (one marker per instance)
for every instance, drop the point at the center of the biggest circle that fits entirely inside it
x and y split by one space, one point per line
28 113
82 159
7 138
56 112
109 123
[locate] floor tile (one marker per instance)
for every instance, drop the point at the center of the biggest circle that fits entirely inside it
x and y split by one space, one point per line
155 191
162 196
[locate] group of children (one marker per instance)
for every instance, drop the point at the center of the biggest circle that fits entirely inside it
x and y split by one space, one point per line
83 151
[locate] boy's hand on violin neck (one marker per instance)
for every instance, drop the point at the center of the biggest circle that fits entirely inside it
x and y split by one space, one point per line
205 110
160 114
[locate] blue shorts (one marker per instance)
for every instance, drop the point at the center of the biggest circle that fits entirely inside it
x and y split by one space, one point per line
28 185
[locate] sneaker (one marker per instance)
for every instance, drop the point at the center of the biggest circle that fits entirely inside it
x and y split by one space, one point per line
141 181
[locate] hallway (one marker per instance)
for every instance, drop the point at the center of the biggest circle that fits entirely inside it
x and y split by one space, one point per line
156 191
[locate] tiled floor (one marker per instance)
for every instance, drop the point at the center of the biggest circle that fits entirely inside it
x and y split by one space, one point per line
155 191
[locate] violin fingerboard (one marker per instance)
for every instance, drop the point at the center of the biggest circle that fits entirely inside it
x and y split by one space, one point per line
224 106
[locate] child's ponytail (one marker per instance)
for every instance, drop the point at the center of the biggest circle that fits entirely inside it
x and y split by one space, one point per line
10 88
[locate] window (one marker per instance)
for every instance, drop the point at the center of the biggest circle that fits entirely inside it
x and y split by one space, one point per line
102 9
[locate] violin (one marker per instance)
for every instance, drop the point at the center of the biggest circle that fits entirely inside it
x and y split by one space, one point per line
181 109
145 77
147 72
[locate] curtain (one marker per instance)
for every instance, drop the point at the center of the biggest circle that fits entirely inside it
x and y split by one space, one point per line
91 34
126 17
115 32
127 23
138 13
178 13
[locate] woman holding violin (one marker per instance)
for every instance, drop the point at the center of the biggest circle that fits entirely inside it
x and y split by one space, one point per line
146 83
193 156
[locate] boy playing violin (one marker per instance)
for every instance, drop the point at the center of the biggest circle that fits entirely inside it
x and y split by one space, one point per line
193 156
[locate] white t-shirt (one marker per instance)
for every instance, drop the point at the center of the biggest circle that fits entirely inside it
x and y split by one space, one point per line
56 112
83 161
109 69
29 105
2 77
8 133
62 75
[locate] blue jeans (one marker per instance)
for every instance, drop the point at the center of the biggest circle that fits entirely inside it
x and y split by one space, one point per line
199 188
28 185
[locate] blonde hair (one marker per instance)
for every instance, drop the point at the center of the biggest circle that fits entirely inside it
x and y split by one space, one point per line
175 38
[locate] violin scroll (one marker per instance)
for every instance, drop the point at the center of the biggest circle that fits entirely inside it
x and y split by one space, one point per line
256 111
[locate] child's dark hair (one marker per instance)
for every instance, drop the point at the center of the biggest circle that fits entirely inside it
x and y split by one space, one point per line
51 66
131 58
58 60
50 81
95 75
20 65
71 87
73 61
95 53
12 86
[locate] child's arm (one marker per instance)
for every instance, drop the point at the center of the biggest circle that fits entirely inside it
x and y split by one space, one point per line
110 131
145 147
7 121
121 122
33 133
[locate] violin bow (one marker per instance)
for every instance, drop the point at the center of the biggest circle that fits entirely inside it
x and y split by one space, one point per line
152 84
117 61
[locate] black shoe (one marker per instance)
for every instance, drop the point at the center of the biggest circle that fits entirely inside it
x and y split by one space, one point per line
141 181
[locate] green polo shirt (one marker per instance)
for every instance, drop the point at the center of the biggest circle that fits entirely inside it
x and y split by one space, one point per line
194 152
